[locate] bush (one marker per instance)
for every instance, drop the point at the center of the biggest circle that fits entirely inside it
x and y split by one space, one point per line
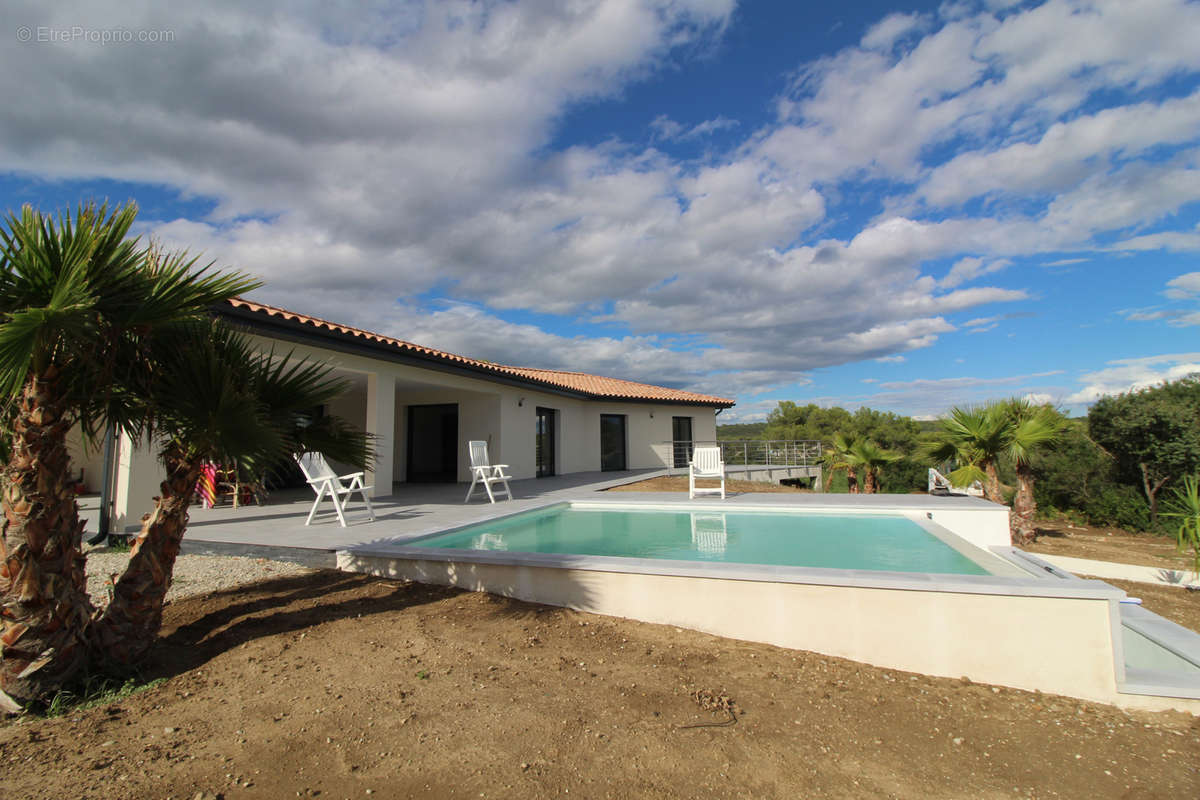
1120 507
904 476
1073 474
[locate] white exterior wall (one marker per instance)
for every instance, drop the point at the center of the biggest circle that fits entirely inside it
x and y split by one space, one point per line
139 475
577 438
88 458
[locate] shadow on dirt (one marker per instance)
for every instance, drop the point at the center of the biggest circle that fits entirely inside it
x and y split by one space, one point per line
279 606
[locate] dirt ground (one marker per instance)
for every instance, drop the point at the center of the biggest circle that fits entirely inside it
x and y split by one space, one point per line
341 686
679 483
1108 544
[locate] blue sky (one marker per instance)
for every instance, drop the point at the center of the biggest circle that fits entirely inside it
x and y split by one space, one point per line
900 205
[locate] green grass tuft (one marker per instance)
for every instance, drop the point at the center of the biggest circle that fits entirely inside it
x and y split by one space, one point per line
94 692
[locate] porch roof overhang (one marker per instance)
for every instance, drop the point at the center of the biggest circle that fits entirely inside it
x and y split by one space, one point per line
279 323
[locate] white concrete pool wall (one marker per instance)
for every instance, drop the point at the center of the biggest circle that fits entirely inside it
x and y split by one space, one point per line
1015 629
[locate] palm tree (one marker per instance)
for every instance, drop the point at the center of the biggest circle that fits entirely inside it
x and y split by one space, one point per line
840 457
871 457
216 401
974 437
78 303
1031 428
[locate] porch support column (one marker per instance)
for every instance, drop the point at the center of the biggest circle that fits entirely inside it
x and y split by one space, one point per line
381 422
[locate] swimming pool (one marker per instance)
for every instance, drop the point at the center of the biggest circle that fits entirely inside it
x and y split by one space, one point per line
995 615
890 542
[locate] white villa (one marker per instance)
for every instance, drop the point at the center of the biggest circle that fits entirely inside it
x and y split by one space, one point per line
424 405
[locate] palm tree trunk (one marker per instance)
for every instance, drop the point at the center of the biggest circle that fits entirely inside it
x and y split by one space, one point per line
1024 507
872 481
45 607
129 626
852 481
991 489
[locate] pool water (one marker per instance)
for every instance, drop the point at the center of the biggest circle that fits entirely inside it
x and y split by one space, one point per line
870 542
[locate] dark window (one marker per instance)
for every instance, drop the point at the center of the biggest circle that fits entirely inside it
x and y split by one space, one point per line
681 432
612 442
433 444
544 441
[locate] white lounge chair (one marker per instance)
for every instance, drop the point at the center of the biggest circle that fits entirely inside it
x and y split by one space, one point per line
324 481
486 473
706 463
939 484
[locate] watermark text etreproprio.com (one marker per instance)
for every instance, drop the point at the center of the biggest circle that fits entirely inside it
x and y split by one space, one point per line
49 34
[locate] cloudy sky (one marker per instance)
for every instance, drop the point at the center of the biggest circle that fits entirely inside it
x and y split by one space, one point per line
905 205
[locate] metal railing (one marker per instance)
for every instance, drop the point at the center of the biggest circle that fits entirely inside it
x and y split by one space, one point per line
745 452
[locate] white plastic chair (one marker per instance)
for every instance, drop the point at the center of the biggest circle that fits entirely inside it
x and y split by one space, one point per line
486 473
706 463
324 481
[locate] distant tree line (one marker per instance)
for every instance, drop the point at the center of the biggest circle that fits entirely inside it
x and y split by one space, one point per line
1113 467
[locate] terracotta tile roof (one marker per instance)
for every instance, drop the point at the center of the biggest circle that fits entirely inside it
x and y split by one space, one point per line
593 386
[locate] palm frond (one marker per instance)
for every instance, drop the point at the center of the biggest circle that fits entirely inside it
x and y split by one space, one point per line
222 401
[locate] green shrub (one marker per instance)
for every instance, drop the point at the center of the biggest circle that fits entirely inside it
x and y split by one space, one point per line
1120 507
904 476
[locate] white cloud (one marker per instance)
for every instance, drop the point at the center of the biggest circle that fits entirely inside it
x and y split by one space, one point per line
970 268
665 128
1146 316
978 321
1065 153
1185 287
927 398
883 34
1130 374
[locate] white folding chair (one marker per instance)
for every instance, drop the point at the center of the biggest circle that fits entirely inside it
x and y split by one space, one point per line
486 473
324 481
706 463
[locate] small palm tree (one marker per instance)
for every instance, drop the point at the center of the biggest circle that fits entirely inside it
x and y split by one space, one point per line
79 301
872 458
216 400
1185 506
1032 428
840 457
974 438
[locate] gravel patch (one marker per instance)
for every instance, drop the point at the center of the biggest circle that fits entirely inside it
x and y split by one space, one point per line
193 574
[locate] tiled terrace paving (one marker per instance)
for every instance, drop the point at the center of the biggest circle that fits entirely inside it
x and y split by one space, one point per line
277 529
